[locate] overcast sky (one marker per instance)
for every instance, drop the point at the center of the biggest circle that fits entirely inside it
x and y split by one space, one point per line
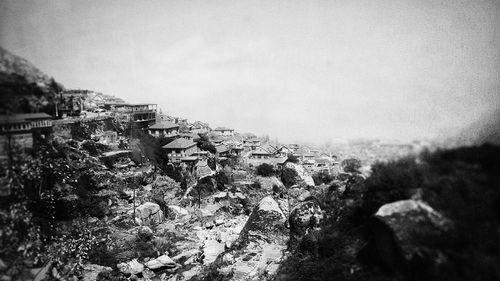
296 70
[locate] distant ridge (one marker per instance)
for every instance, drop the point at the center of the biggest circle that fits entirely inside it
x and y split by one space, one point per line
23 87
11 64
485 130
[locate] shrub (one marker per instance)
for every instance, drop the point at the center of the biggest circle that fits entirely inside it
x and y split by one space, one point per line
293 159
91 147
265 170
222 180
163 188
256 185
351 165
205 144
463 184
288 176
322 177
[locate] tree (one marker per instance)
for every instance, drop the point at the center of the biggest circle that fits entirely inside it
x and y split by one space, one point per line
222 179
149 147
288 176
265 170
205 144
351 165
322 177
30 235
293 159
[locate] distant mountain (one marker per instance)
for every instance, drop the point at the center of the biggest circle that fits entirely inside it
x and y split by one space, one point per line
23 87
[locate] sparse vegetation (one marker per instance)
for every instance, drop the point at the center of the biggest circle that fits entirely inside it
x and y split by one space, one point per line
265 170
288 177
461 183
322 177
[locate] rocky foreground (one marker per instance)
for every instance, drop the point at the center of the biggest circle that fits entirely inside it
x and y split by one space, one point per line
434 217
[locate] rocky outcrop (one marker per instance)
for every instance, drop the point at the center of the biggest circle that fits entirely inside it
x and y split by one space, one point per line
408 236
160 262
302 173
178 211
270 183
305 217
260 246
132 267
149 214
266 222
90 271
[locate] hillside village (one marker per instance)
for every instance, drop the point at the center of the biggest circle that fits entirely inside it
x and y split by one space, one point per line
179 135
95 188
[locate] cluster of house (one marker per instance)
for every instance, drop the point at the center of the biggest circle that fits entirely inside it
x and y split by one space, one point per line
253 151
23 129
20 131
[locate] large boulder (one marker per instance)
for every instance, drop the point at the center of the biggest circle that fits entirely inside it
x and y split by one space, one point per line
161 262
211 249
267 222
178 211
408 236
149 214
302 173
305 217
132 267
260 247
270 183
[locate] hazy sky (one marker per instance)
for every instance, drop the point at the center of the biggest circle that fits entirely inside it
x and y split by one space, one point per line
296 70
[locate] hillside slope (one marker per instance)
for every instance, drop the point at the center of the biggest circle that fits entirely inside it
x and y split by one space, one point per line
484 130
23 87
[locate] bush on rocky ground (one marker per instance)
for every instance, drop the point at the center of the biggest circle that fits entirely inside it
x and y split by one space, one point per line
462 183
288 177
222 180
323 177
265 170
163 190
351 165
44 185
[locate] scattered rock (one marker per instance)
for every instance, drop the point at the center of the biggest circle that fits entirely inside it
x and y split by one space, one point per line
266 221
165 227
219 196
149 214
304 195
160 262
219 222
180 258
148 274
3 266
132 267
304 217
211 249
90 271
267 183
147 187
302 173
237 195
144 233
179 211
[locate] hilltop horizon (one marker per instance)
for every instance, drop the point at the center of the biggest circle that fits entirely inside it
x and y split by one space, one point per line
15 65
297 70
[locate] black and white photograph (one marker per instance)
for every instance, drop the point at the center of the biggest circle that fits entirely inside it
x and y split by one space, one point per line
249 140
